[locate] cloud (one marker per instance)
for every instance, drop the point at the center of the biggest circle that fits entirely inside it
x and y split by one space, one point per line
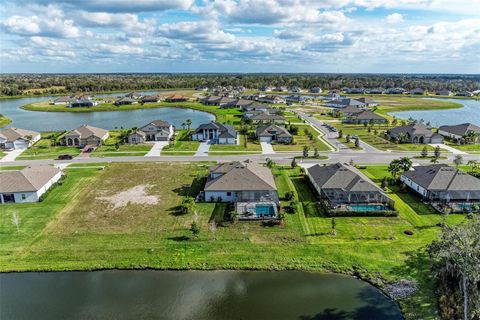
124 21
39 26
394 18
196 31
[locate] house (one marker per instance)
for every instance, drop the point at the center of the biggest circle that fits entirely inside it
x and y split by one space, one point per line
342 187
64 100
354 90
333 95
133 95
83 103
125 101
216 133
176 98
85 135
295 89
444 186
271 99
414 133
375 91
202 88
150 99
315 90
250 187
16 138
265 118
444 92
296 98
460 131
157 130
395 91
267 88
367 101
417 91
346 111
281 89
255 106
464 94
345 103
365 116
272 132
28 184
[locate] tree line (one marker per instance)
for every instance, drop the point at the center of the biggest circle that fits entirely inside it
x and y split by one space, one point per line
22 84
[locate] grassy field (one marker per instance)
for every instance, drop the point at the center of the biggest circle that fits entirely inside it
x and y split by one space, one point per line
43 149
182 145
377 141
89 223
109 149
300 140
470 148
4 120
252 147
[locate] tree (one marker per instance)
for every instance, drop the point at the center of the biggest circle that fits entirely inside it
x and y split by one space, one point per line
270 163
384 183
456 259
405 163
305 151
188 205
340 134
188 123
437 152
425 152
347 138
194 229
357 143
294 163
16 220
394 168
315 153
117 146
473 164
458 160
183 125
334 227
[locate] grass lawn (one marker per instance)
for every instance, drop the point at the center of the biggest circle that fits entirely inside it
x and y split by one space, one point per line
470 148
378 141
88 223
182 146
221 149
11 167
43 149
4 120
108 148
300 140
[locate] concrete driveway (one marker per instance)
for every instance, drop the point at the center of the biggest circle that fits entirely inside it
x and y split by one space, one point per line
203 149
157 148
11 155
267 148
449 148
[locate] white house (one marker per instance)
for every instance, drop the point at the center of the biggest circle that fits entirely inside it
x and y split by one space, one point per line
216 133
15 138
158 130
28 184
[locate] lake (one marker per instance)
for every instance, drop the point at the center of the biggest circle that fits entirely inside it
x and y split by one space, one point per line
469 113
195 295
56 121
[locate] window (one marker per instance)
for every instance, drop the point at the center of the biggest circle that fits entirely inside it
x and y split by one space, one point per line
24 196
229 194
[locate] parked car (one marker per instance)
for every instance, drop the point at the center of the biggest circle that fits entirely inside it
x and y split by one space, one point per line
65 157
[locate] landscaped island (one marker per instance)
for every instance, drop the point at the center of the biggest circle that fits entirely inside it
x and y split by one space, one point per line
4 121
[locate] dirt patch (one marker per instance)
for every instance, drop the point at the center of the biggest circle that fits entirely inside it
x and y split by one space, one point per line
135 195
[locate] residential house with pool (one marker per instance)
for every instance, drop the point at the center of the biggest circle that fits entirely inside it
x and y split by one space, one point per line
249 187
216 133
28 184
85 135
16 138
444 187
342 188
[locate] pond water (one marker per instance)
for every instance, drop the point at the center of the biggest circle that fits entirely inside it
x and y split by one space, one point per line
469 113
191 295
55 121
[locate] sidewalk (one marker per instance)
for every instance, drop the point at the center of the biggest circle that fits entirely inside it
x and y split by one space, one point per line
12 155
203 149
267 148
449 148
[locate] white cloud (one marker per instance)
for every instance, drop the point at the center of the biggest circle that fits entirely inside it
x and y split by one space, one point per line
394 18
35 25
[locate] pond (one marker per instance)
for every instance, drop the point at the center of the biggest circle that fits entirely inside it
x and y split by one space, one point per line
469 113
56 121
190 295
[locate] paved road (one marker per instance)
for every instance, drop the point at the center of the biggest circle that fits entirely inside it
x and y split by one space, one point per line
267 148
157 148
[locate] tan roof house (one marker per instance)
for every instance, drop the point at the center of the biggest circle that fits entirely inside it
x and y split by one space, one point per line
16 138
85 135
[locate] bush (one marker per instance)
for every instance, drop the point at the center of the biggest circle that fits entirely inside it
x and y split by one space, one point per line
289 195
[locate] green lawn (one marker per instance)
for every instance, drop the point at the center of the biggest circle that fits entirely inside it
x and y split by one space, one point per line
182 145
83 224
470 148
108 149
221 149
300 140
43 149
4 120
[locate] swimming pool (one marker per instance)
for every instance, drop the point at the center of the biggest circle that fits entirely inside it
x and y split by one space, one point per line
264 210
366 207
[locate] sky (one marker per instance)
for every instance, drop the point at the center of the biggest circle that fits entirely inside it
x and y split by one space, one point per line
316 36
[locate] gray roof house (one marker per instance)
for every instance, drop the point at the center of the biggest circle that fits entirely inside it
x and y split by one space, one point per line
251 187
444 92
443 185
364 116
85 135
150 99
369 102
267 118
272 132
418 91
28 184
344 188
215 133
16 138
64 100
125 101
342 103
459 131
415 133
157 130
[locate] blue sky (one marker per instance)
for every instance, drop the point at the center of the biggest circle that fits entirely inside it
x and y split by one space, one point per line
374 36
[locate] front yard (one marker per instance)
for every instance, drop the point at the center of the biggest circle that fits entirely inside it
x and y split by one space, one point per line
227 149
301 139
44 149
182 146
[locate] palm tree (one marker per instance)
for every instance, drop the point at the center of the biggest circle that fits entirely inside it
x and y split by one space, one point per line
183 125
188 123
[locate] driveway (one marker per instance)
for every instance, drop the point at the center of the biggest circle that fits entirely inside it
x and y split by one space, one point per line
11 155
449 148
267 148
203 149
157 148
